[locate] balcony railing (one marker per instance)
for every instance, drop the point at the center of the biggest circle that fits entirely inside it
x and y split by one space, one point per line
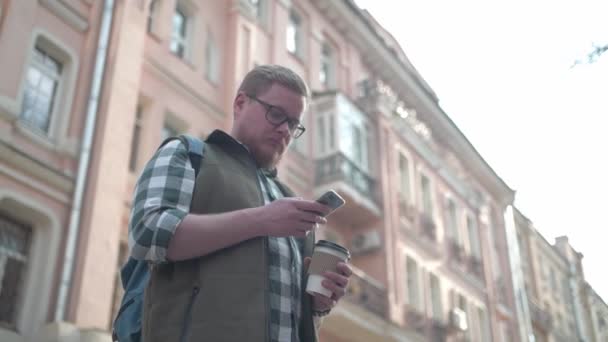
415 320
456 251
338 167
540 317
367 293
476 266
428 227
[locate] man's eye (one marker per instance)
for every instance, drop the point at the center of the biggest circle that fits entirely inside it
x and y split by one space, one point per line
276 114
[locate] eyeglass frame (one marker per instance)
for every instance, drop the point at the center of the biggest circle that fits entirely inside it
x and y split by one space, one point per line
293 132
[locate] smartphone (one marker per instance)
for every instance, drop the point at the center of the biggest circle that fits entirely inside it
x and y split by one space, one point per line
332 200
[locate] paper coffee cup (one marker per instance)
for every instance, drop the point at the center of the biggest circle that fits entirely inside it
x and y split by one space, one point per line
325 257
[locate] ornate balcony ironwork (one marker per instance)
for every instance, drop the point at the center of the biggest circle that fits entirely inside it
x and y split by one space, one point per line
540 317
476 266
338 167
367 293
415 320
428 227
456 251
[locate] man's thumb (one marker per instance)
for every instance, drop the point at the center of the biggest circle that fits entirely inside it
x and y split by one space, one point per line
306 263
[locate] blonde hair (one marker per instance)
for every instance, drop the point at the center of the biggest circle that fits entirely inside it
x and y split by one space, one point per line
262 77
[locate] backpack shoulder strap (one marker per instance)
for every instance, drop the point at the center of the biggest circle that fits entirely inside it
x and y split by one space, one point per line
195 147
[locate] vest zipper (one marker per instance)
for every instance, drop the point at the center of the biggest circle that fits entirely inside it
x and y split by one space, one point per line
188 316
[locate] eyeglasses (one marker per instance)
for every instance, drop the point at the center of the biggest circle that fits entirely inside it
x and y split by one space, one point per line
277 117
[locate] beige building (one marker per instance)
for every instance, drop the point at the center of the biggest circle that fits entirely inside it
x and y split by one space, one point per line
90 88
562 305
547 283
598 315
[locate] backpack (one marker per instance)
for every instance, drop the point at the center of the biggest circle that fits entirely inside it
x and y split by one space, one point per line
135 273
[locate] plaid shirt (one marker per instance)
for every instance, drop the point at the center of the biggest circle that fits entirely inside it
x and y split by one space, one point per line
162 199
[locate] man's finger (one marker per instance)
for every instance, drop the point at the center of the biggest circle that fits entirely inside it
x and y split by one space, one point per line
344 269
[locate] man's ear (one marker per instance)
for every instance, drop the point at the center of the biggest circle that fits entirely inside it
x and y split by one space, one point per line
239 102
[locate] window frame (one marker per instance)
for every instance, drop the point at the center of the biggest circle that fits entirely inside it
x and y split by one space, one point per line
213 63
56 139
38 62
295 21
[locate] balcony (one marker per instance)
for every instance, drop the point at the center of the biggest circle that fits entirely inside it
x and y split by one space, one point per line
432 329
475 266
540 318
420 229
357 187
362 315
456 252
367 293
415 320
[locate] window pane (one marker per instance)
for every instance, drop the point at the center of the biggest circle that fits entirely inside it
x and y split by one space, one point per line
321 134
33 77
436 297
427 204
473 237
452 222
412 282
40 90
291 39
14 250
292 35
404 176
152 14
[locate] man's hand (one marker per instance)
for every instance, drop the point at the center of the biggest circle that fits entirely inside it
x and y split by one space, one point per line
336 282
290 217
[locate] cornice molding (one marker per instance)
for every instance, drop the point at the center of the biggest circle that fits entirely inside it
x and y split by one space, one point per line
67 13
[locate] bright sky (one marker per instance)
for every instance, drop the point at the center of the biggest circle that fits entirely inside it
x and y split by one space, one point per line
502 72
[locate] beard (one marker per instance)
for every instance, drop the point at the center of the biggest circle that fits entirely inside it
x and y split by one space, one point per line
267 160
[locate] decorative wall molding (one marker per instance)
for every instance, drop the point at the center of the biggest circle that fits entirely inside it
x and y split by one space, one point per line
66 13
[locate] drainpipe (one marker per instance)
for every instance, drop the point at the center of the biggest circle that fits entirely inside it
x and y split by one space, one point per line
83 161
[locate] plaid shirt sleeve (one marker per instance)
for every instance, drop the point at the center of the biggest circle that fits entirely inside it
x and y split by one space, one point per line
161 201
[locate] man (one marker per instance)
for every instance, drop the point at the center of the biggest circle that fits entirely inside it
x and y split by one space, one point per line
229 258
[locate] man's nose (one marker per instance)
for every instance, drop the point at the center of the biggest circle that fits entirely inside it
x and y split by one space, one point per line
284 128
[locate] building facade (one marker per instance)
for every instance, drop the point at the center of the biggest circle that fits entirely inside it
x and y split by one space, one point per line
90 88
561 304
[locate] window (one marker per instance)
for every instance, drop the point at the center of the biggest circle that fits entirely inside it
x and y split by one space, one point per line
427 203
483 324
473 237
462 305
256 7
436 297
40 93
259 10
332 132
553 280
326 74
321 134
452 221
358 145
179 34
152 13
404 177
212 59
14 251
412 283
135 139
294 34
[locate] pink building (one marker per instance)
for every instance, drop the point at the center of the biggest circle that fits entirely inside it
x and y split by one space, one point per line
78 121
